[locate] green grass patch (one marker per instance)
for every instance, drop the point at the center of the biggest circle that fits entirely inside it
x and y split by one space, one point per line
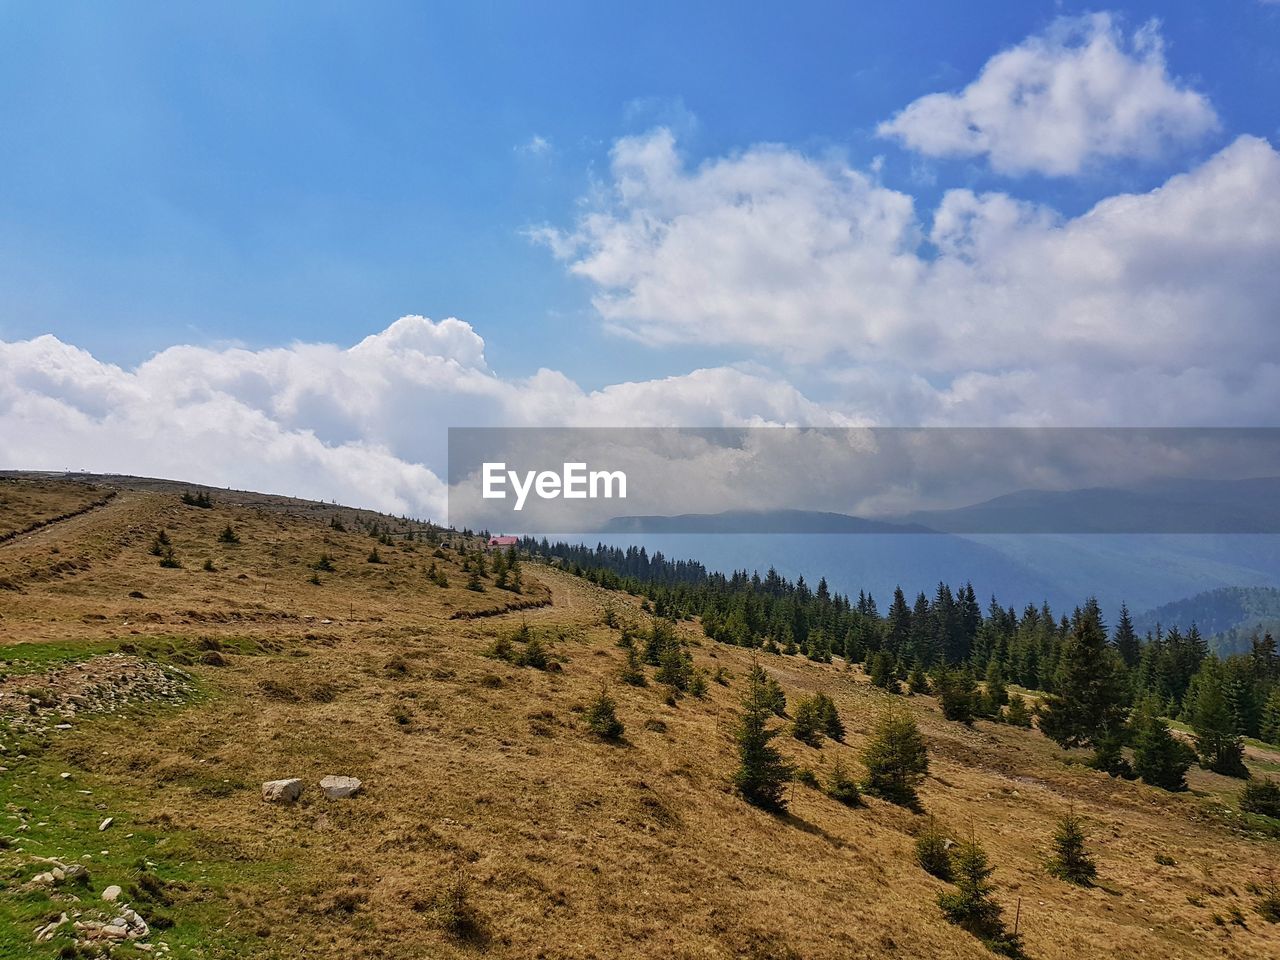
22 658
28 658
181 882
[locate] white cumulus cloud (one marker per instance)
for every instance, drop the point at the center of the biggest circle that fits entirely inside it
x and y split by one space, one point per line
1081 92
365 425
929 317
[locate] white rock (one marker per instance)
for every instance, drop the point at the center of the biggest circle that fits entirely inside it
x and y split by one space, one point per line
105 823
282 791
112 893
46 932
338 788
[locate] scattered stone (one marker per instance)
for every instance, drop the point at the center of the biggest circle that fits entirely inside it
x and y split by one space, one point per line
46 932
339 788
102 684
282 791
127 926
106 823
112 893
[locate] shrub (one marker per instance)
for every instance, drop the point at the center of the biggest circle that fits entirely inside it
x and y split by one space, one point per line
501 649
1261 797
228 535
450 908
169 559
324 564
374 556
806 777
896 760
933 851
534 655
698 684
160 543
1070 860
1269 900
602 717
209 567
842 788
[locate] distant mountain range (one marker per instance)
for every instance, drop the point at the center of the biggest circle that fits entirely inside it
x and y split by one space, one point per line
1147 547
1227 616
1167 506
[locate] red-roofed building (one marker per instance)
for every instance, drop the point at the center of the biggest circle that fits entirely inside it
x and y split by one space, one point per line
503 541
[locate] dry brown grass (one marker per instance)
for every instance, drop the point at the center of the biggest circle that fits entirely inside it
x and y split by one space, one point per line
493 822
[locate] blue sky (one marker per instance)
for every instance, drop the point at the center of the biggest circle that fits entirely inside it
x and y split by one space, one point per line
207 173
231 235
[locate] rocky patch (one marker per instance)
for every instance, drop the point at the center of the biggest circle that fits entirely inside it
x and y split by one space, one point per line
105 684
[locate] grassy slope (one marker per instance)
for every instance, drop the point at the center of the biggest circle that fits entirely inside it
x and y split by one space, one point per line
481 770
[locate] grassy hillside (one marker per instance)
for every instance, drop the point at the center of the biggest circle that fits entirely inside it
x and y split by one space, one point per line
491 821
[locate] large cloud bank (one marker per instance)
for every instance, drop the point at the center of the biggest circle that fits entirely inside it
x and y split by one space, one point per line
364 425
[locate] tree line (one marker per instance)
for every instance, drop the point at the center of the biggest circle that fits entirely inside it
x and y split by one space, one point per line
1104 688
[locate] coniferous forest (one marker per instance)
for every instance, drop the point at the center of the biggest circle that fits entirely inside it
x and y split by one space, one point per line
1095 685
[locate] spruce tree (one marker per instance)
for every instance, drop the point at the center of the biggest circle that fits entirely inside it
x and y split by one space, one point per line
762 774
896 759
971 905
996 694
933 850
1261 797
1108 756
806 726
917 679
1208 711
832 725
957 691
1070 860
1125 639
631 672
883 672
1270 727
1159 758
1088 701
842 788
602 717
898 627
775 696
1016 713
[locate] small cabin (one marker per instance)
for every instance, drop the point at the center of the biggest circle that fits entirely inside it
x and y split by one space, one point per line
501 543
